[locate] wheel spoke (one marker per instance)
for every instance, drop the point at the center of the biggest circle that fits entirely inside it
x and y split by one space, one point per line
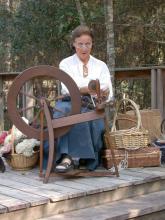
38 85
35 117
30 96
58 110
25 109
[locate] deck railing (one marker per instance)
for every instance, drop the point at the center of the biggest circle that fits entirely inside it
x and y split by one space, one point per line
156 74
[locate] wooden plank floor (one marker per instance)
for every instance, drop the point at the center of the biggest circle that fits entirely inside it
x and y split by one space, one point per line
24 189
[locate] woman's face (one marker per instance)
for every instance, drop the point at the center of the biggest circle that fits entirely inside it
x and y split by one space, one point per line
83 46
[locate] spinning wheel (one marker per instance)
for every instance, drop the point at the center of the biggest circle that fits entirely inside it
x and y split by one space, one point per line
14 111
54 127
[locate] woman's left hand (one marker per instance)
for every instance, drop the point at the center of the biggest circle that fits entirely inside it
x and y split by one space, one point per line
104 93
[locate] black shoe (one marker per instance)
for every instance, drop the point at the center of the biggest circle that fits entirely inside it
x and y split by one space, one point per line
2 165
65 165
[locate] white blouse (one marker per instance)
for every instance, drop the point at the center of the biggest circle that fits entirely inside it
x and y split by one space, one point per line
97 69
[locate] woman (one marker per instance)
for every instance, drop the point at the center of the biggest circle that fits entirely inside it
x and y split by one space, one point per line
84 140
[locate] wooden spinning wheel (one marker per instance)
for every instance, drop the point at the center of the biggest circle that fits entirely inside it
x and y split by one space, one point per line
54 127
16 90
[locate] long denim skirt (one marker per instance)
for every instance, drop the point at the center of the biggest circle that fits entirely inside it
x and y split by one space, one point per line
83 140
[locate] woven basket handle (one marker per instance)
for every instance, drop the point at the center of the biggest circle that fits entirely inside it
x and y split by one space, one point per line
139 122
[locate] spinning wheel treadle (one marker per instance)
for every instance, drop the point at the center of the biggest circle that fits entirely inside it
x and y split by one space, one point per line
55 127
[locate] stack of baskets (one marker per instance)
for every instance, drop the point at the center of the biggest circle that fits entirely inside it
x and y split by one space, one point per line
130 145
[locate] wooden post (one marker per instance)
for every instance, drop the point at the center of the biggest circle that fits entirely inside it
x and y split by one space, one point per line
163 87
2 105
153 88
160 91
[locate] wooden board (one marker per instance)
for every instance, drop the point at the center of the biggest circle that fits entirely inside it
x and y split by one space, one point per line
23 190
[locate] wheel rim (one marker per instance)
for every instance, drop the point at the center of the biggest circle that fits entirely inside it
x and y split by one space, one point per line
29 74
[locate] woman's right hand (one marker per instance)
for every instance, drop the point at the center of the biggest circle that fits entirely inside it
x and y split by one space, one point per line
105 93
85 91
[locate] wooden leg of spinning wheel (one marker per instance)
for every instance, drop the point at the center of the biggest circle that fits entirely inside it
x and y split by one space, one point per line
51 141
41 142
107 130
113 155
50 159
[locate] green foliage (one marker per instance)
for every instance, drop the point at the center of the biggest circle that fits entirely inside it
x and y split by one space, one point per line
134 89
5 36
40 30
139 32
37 31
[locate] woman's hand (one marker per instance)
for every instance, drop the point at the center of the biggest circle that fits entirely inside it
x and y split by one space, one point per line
104 93
85 91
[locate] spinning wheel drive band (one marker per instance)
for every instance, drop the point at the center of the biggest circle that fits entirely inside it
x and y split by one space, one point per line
19 82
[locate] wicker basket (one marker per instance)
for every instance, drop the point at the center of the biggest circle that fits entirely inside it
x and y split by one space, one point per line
19 161
151 120
143 157
132 138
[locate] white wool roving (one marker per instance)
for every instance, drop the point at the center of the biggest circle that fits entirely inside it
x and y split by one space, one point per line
17 134
26 147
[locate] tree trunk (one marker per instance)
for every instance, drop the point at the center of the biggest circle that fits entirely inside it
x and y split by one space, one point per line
80 12
108 9
9 5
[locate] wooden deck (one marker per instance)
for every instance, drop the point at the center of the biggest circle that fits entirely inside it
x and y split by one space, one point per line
23 196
